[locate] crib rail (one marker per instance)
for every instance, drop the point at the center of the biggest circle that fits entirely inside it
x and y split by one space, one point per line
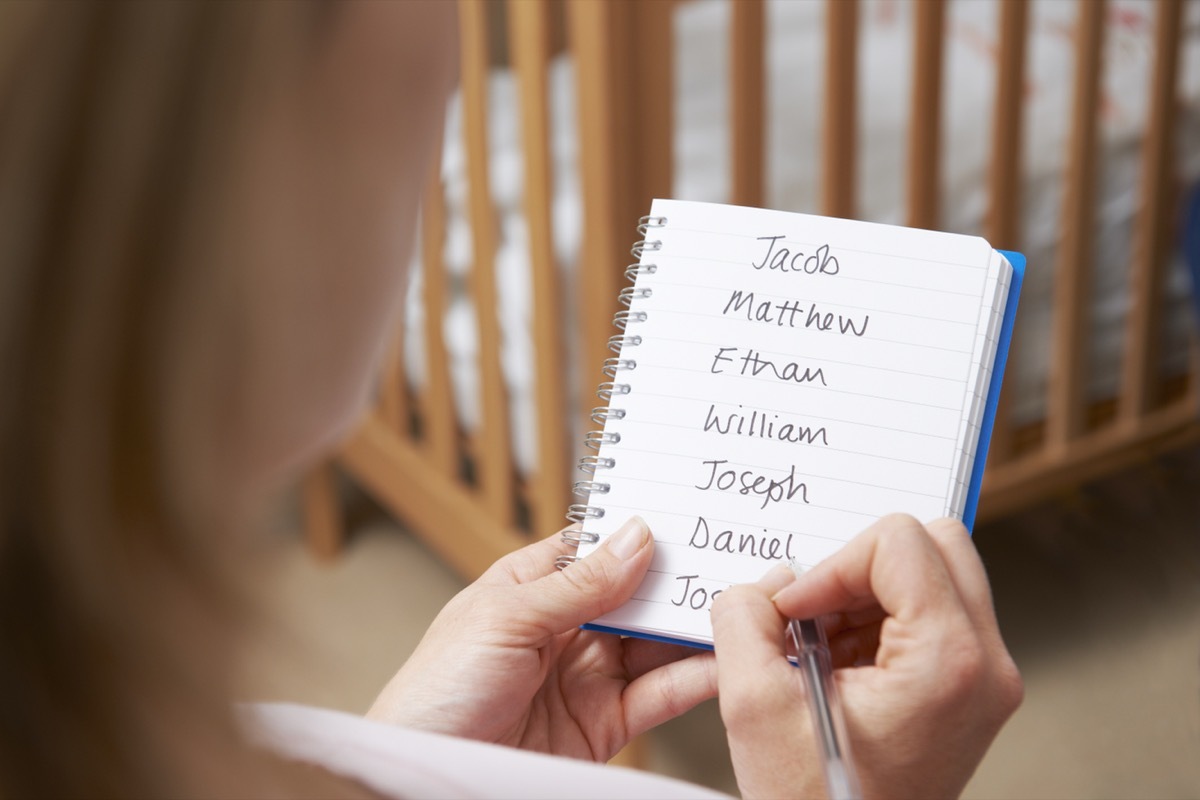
747 110
1140 385
1080 440
1004 172
496 475
840 114
462 492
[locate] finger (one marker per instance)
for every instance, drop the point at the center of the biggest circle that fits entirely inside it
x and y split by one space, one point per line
776 578
850 620
894 562
760 635
748 638
855 648
760 695
532 561
748 627
589 588
643 655
966 570
668 691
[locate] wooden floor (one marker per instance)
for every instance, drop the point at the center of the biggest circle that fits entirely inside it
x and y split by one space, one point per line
1098 594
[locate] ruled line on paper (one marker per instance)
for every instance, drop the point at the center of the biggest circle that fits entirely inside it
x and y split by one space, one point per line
711 578
665 513
743 464
664 310
872 281
808 386
857 364
809 299
789 503
840 248
824 448
810 416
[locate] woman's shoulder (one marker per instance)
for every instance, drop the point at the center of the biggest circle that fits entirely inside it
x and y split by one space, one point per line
401 762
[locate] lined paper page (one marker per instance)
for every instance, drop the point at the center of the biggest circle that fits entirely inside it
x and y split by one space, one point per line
987 339
797 378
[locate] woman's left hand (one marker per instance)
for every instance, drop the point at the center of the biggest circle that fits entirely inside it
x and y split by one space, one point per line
506 662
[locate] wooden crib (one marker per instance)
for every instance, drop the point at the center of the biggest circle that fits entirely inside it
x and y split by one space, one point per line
461 492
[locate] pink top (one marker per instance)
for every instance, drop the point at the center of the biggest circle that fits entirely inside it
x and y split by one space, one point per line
404 763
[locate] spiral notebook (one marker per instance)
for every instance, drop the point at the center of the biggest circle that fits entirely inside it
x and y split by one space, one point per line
780 381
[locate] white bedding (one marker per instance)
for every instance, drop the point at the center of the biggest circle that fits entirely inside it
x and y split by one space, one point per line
795 55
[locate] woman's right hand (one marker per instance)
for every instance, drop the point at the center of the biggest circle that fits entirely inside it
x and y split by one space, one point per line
910 605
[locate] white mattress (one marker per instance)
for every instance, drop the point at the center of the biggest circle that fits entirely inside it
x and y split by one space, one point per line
795 55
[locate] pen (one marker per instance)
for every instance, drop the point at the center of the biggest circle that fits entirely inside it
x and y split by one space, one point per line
829 725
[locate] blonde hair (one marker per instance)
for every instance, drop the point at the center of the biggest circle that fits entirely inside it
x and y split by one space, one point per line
114 120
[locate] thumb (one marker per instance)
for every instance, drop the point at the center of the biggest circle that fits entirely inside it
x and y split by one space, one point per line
591 587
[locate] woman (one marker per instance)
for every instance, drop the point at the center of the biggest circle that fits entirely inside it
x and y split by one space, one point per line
202 210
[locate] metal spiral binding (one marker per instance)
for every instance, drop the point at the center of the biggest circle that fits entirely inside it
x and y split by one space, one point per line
592 464
647 222
634 270
580 512
603 414
608 390
596 438
614 365
580 537
615 343
630 293
645 246
623 319
584 488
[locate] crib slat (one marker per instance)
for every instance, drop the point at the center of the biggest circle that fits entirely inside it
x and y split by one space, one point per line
1072 290
650 84
323 527
450 519
591 35
495 450
393 387
437 406
595 32
1005 168
1139 380
529 45
839 124
747 100
1005 174
926 109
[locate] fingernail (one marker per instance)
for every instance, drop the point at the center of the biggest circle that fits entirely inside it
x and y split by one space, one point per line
800 576
629 538
776 578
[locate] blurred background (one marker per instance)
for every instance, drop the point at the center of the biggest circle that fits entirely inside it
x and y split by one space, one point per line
1066 129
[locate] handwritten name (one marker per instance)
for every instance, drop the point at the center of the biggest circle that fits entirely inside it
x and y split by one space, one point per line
765 546
753 364
747 482
758 426
783 314
784 260
695 597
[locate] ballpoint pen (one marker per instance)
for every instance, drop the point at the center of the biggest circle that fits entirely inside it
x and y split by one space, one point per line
829 724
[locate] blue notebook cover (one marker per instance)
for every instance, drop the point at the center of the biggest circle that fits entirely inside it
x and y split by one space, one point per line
1003 344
